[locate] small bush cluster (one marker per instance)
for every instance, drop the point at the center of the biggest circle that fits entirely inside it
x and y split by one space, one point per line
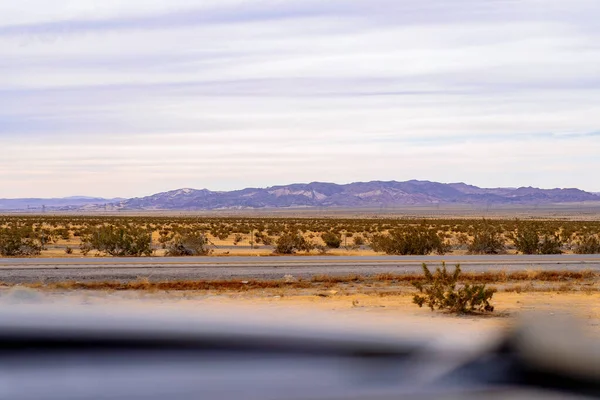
529 239
118 241
263 238
332 240
17 243
410 241
237 239
439 290
487 239
358 241
289 243
188 244
589 244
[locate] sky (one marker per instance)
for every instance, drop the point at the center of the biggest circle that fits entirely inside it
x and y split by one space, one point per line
128 98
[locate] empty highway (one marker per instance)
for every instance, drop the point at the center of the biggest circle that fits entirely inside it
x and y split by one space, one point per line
30 270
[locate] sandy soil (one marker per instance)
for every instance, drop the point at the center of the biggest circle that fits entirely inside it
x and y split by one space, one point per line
393 311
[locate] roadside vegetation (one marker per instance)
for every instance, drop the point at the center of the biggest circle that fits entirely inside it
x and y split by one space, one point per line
188 244
118 241
531 238
441 290
20 241
411 240
130 236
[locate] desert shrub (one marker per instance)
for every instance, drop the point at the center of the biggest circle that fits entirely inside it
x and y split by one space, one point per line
263 238
221 234
85 248
529 240
237 239
16 242
245 229
487 239
358 240
551 244
47 228
462 240
68 250
289 243
165 237
439 290
188 244
64 234
331 240
588 244
321 249
123 241
410 241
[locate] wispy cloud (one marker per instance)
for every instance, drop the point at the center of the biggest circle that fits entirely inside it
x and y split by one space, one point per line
126 98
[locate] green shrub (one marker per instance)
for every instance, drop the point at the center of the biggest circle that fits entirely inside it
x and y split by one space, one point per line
410 241
188 244
126 241
16 242
321 249
588 244
289 243
551 244
263 238
64 234
331 240
487 239
237 239
529 240
440 291
358 240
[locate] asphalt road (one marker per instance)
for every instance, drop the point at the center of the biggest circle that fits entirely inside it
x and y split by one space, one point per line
28 270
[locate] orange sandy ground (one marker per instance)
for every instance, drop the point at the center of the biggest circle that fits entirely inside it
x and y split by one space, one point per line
388 310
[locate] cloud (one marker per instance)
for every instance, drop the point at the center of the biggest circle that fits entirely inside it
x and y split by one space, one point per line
126 98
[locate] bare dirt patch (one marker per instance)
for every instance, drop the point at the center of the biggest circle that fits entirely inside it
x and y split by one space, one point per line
395 312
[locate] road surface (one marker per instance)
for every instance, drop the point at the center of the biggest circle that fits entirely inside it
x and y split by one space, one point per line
29 270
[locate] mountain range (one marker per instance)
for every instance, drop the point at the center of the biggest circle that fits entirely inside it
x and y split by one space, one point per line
315 194
37 204
358 194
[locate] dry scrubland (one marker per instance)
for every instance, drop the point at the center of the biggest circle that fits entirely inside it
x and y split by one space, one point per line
325 285
339 287
387 296
144 235
381 300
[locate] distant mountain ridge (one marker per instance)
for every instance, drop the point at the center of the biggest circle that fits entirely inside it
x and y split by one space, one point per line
315 194
358 194
37 204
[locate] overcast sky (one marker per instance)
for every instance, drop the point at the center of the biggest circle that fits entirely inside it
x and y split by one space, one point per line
128 98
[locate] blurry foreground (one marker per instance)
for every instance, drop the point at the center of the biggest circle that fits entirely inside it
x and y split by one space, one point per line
185 345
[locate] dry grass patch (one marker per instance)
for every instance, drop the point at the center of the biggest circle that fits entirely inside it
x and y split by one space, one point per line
183 285
379 283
